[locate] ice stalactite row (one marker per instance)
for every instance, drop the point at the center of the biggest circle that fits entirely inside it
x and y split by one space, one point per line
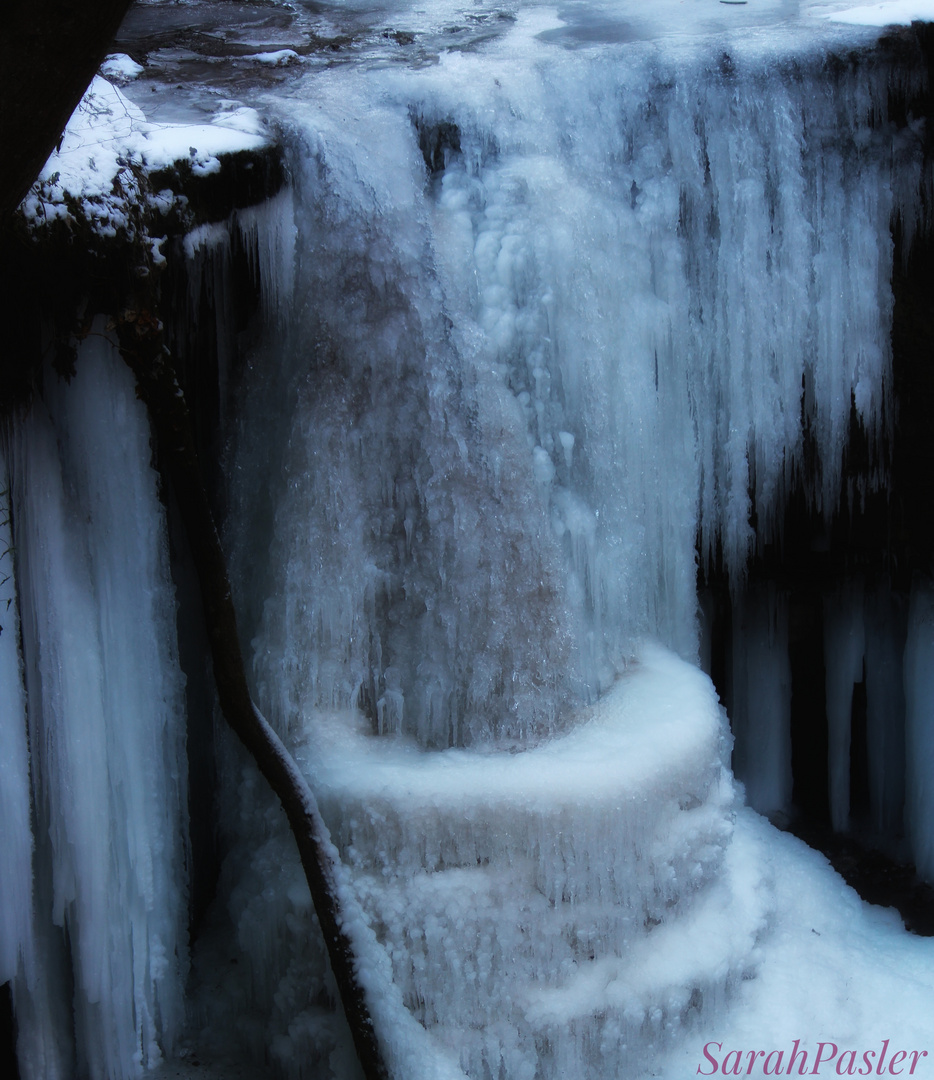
266 235
101 994
867 670
268 232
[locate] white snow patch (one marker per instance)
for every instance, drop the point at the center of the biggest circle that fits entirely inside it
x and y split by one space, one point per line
831 968
118 67
279 58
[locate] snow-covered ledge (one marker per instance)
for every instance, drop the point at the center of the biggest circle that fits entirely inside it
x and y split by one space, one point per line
117 175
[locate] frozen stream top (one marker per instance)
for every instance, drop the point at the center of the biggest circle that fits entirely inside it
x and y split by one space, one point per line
217 44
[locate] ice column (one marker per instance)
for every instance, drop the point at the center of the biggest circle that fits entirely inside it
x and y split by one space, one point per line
106 729
885 709
844 647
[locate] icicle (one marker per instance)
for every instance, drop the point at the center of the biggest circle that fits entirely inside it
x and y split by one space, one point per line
15 825
269 234
844 649
761 706
208 257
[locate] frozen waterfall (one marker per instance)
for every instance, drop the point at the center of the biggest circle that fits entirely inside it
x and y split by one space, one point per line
550 328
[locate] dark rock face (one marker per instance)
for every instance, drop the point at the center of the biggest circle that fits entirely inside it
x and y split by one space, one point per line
8 1061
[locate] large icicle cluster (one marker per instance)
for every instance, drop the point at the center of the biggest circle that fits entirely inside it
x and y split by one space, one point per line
633 299
95 935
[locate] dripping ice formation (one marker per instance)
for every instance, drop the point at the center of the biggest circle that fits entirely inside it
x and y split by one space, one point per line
544 327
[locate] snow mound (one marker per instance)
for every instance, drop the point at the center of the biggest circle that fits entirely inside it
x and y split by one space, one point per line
570 906
118 67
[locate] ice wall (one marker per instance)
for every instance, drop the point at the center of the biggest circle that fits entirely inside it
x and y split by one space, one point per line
98 990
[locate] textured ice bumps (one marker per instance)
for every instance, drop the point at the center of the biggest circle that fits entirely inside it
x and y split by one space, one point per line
560 911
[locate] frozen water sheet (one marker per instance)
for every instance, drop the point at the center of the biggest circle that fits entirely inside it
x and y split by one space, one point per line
565 909
581 342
